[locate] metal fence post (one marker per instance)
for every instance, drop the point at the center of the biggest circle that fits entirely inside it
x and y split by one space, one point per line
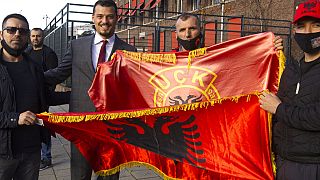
157 32
242 26
216 31
157 39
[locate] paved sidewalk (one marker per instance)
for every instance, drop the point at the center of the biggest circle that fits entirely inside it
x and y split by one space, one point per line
61 161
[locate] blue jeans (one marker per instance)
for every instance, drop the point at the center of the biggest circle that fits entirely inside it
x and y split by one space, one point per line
46 151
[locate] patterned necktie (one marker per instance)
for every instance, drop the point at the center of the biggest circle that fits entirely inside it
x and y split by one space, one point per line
102 54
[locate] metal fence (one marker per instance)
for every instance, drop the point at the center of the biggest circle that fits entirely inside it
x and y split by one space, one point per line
154 31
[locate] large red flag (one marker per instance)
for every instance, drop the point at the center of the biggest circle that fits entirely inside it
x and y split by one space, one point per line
225 141
141 80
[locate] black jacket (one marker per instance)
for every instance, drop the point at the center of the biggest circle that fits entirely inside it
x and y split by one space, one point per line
8 115
49 61
296 130
49 57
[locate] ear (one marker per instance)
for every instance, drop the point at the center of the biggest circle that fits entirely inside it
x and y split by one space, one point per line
92 18
1 37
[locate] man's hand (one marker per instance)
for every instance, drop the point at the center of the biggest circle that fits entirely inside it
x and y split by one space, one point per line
27 118
269 102
278 43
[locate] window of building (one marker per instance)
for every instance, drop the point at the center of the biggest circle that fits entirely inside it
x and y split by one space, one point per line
179 6
174 42
163 7
150 42
125 22
234 28
141 14
215 2
133 4
152 14
210 33
133 19
195 4
140 18
119 24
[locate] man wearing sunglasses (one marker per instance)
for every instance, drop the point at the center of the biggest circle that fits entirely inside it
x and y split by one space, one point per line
22 94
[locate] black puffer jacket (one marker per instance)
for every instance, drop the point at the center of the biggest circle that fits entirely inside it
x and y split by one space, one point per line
8 116
296 130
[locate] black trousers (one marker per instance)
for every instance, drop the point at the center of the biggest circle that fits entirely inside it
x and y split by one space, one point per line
289 170
24 166
81 169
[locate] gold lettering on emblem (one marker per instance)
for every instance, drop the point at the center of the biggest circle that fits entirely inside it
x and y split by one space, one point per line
165 79
176 77
199 77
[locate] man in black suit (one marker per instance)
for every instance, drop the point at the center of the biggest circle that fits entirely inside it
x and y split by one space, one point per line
81 61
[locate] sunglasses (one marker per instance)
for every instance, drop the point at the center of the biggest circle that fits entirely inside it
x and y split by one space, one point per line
13 30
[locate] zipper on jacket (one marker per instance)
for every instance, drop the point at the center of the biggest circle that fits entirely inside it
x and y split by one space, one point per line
300 74
298 87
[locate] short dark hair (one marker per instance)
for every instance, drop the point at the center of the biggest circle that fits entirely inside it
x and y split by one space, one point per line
37 29
16 16
185 16
106 3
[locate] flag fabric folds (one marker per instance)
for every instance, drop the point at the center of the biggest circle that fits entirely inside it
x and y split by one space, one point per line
188 115
226 139
140 80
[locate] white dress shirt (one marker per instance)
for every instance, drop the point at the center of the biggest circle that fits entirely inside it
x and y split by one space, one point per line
97 43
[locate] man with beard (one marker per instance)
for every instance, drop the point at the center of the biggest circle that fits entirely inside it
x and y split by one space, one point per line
296 107
43 54
22 94
48 59
81 61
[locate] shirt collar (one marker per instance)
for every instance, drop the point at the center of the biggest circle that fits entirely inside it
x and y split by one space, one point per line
98 39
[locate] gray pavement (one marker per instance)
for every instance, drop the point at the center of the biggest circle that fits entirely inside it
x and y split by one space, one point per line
61 161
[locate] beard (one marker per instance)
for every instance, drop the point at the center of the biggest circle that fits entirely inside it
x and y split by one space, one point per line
105 32
11 51
38 44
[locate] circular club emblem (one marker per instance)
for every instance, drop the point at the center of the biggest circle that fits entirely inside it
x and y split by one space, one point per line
182 85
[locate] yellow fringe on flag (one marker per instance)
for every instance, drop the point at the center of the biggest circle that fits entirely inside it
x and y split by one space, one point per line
151 57
274 168
113 55
282 61
138 113
152 111
132 164
196 53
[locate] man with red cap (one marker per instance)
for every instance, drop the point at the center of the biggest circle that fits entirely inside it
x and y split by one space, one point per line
296 107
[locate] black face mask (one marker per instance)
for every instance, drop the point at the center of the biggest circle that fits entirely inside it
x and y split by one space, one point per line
192 44
309 43
13 52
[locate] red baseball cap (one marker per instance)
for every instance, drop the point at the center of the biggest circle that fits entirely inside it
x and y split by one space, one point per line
309 8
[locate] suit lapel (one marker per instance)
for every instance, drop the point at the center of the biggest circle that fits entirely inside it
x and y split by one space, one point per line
88 51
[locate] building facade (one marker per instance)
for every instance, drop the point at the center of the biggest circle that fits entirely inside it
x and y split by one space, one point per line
149 24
